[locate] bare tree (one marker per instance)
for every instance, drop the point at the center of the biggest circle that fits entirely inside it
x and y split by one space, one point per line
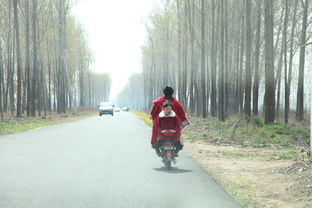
19 62
203 57
291 56
213 63
221 66
248 75
257 60
35 61
300 95
269 100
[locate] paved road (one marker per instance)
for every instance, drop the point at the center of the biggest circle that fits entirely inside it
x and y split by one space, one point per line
99 162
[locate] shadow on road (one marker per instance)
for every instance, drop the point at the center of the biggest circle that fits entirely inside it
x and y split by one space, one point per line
172 170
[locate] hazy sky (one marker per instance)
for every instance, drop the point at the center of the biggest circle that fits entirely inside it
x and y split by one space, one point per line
115 30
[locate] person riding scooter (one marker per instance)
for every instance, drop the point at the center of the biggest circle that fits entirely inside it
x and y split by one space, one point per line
157 108
167 121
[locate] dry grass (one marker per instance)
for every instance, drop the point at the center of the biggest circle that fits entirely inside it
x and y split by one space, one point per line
12 124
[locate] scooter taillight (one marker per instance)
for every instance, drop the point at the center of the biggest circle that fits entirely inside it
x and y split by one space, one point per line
167 144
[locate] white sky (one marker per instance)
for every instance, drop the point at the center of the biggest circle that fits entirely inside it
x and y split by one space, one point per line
116 31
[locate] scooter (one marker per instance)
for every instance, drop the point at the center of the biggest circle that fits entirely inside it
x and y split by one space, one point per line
167 150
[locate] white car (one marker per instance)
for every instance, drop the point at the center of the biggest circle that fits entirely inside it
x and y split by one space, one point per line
106 108
125 109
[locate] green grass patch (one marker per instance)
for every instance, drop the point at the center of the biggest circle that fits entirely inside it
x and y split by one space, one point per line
14 125
242 131
247 132
235 154
290 155
240 190
9 127
258 121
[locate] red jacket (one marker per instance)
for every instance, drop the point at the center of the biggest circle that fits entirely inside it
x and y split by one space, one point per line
169 122
177 108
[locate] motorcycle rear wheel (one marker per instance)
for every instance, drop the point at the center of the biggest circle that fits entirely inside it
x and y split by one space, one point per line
168 165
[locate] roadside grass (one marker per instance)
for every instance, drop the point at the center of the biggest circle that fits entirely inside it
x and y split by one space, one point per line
275 141
279 142
235 154
242 192
144 116
290 155
12 125
247 132
239 190
244 132
266 154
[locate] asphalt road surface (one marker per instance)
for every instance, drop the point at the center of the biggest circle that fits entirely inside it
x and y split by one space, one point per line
99 162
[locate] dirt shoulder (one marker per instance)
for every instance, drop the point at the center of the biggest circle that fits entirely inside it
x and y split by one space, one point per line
257 177
259 165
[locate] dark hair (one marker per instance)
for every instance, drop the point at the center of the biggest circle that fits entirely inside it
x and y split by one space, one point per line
167 103
168 92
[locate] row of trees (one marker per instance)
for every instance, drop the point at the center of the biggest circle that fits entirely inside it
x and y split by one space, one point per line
45 62
229 56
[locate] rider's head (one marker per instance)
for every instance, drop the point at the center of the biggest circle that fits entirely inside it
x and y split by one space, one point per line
167 107
168 92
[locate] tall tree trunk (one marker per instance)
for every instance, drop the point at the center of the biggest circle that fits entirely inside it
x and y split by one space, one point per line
221 67
179 53
291 56
40 84
185 60
203 61
49 77
269 100
81 82
226 59
19 65
248 69
192 68
27 57
257 58
237 74
65 81
35 61
300 94
12 84
241 90
213 63
1 82
9 59
278 78
285 53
